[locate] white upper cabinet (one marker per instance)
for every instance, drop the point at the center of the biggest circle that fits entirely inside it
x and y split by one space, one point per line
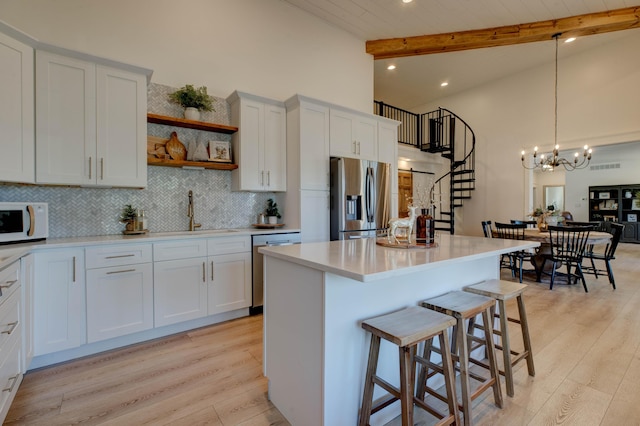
259 145
16 111
353 135
121 128
91 123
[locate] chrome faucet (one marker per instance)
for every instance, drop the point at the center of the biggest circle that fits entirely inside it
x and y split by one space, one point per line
192 224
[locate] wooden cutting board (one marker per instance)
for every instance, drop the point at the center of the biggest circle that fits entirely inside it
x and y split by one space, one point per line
156 146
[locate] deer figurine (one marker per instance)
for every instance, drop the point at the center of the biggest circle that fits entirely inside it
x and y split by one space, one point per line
403 222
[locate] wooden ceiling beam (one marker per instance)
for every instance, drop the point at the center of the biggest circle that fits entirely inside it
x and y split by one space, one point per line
574 26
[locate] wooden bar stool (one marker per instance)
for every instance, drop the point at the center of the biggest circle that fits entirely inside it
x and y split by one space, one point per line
466 306
502 291
407 328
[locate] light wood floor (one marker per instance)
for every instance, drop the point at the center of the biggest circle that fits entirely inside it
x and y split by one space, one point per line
586 351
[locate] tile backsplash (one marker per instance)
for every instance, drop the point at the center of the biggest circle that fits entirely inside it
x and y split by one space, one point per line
79 212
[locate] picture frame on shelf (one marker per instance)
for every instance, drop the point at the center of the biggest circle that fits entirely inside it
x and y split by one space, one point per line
220 151
635 205
632 217
604 195
609 218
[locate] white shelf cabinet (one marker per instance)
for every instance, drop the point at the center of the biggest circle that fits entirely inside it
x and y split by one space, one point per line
119 290
353 135
17 162
59 300
91 123
259 145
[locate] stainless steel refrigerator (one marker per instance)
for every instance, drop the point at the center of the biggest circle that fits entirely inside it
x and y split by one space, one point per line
360 198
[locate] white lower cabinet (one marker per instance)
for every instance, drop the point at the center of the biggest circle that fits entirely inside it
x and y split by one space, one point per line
230 282
59 300
10 336
119 297
189 287
180 290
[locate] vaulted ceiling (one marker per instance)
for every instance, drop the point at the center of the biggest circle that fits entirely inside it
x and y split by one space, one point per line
416 79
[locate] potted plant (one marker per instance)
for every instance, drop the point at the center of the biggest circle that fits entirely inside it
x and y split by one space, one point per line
128 217
272 212
193 100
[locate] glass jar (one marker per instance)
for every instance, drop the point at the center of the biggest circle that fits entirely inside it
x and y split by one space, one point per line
425 228
141 221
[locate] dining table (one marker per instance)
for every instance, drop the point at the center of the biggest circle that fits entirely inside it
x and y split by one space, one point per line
544 251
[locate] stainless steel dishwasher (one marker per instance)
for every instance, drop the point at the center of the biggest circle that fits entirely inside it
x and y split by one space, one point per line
262 240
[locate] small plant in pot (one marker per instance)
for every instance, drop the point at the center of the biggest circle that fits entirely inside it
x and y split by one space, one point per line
128 217
193 100
272 212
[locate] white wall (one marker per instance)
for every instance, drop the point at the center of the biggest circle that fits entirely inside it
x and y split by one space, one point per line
597 104
265 47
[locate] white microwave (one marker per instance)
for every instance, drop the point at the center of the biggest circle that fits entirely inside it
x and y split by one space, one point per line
20 222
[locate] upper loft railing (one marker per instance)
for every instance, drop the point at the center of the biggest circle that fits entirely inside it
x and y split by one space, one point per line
409 130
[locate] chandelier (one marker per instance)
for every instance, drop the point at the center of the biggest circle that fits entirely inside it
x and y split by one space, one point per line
551 161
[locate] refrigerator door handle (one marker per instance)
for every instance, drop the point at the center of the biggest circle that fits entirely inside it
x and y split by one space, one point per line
370 194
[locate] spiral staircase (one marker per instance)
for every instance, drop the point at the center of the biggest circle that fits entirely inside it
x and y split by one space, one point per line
440 132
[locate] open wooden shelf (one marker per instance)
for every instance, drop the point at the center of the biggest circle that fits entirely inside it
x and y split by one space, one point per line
189 124
204 164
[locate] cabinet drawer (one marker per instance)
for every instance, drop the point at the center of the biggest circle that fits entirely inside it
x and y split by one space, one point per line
228 245
10 375
117 255
9 321
9 280
183 249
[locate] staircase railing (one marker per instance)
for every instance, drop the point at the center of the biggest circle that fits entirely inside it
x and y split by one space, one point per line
439 132
409 131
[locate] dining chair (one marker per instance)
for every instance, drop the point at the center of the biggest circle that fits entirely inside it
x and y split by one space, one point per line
487 229
597 225
607 256
568 244
567 215
529 223
514 231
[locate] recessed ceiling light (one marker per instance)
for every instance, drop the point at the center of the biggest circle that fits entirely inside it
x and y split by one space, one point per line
443 84
407 1
570 39
391 67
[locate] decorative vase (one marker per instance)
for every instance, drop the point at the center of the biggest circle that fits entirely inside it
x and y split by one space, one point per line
552 220
425 228
273 220
175 148
191 113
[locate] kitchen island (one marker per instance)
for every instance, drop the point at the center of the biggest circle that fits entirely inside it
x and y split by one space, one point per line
315 352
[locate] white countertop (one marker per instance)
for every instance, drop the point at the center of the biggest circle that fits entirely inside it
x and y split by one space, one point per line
364 260
10 253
